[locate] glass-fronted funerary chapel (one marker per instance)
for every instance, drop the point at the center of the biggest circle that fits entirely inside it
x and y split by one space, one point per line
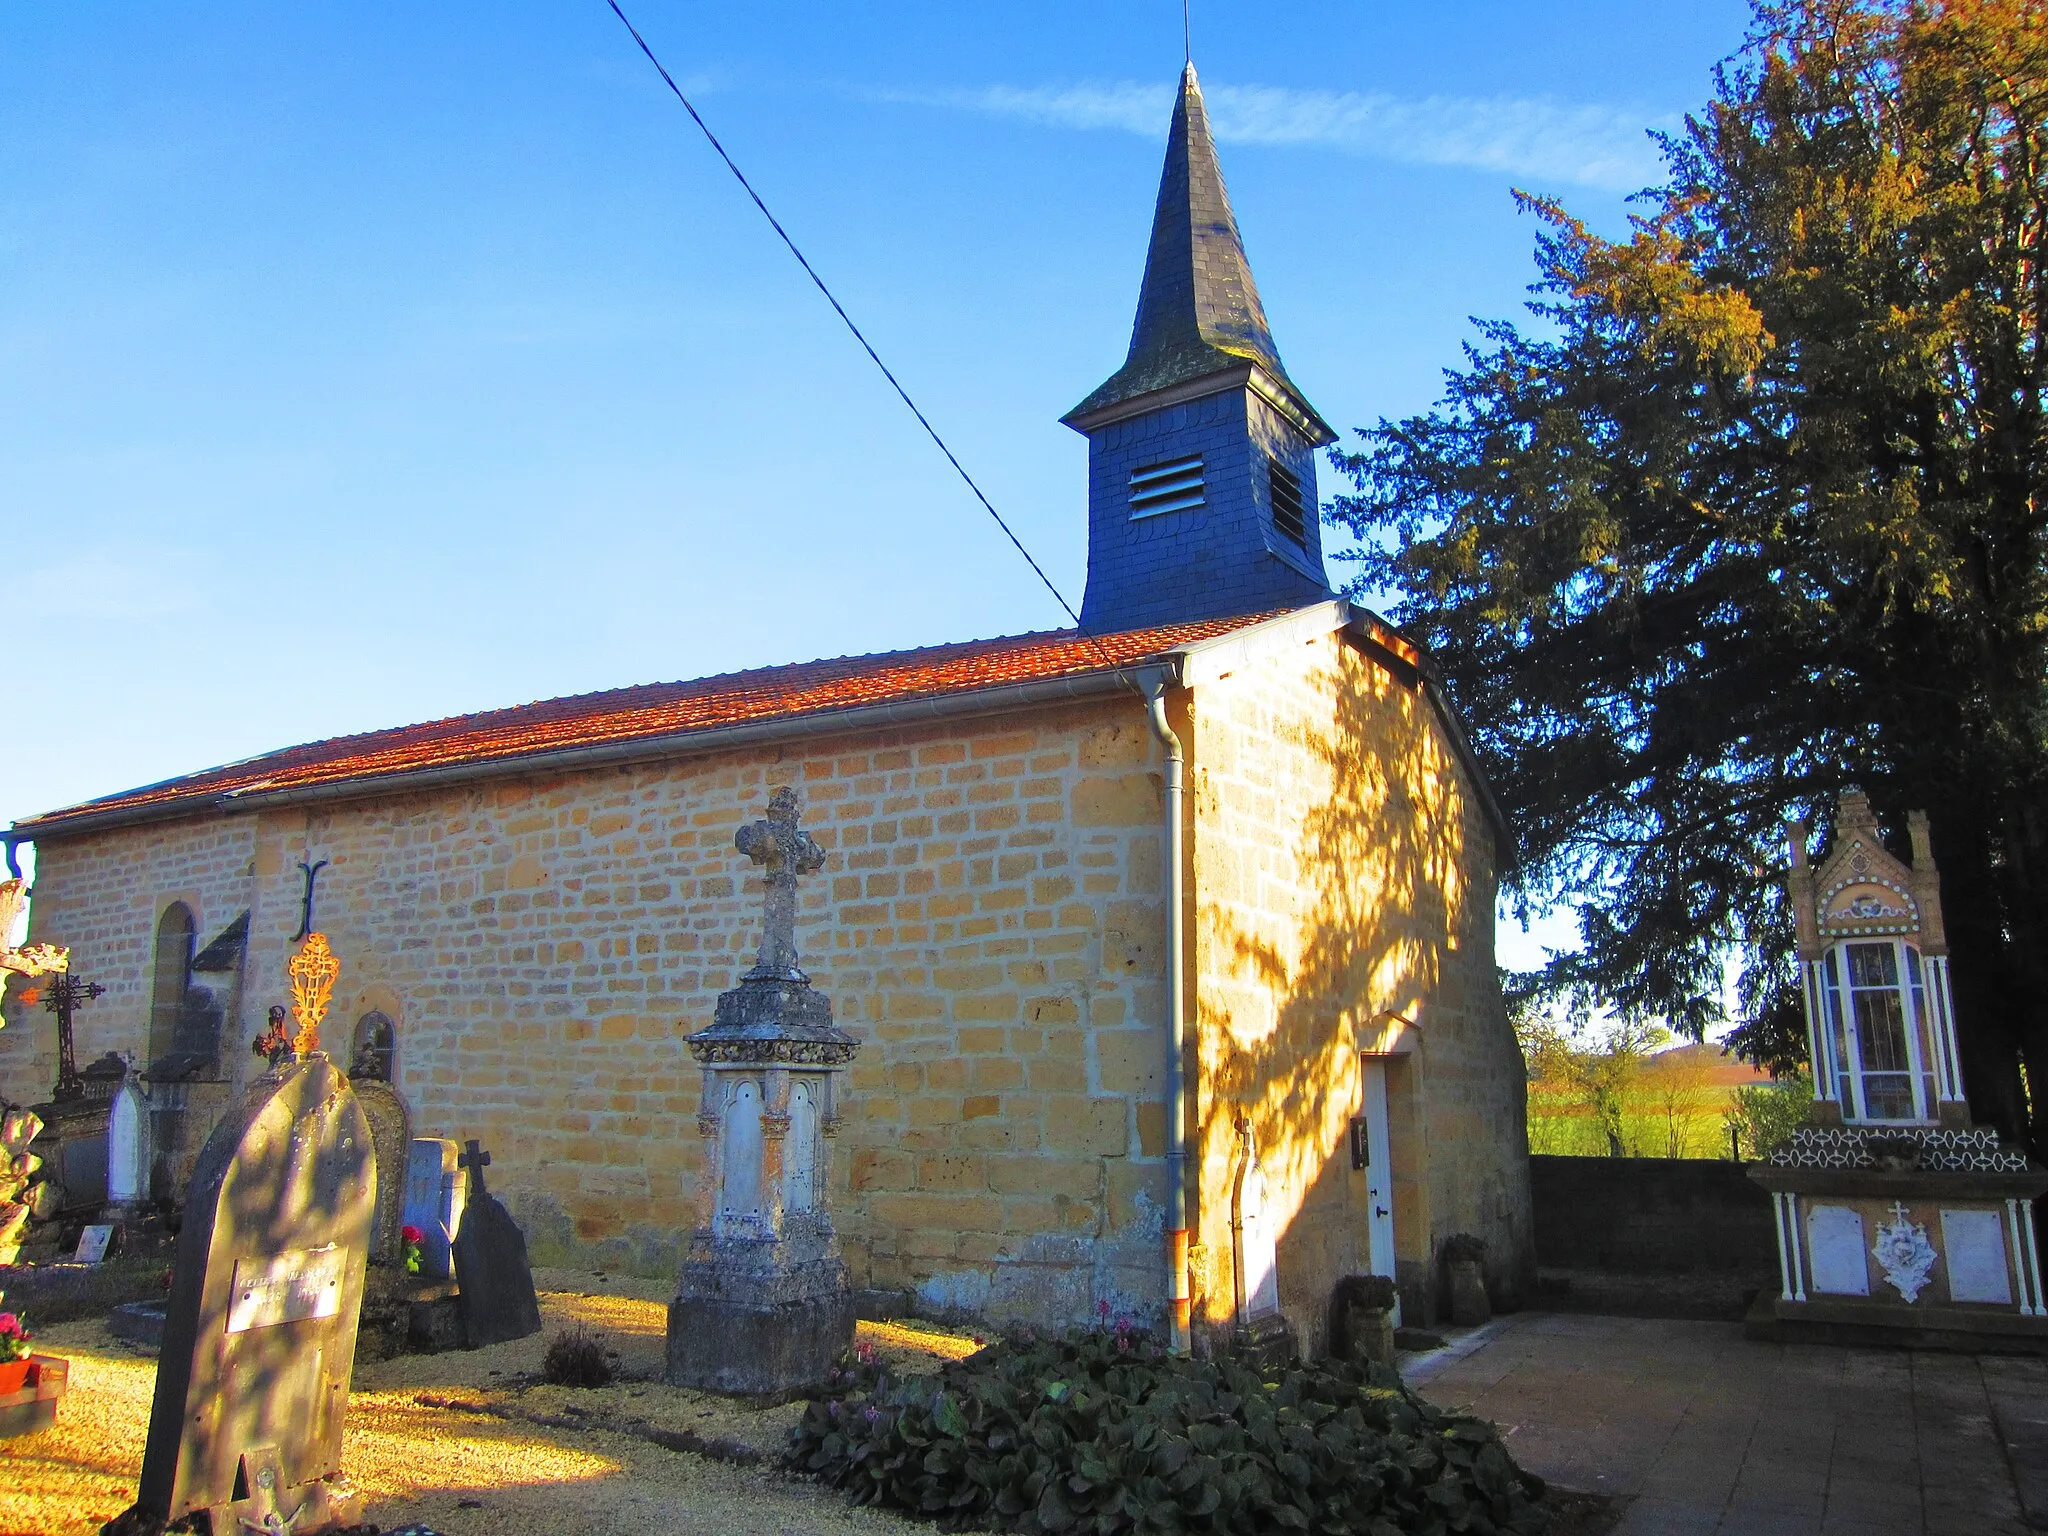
1168 942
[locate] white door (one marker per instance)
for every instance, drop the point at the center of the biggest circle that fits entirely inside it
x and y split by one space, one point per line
1379 1172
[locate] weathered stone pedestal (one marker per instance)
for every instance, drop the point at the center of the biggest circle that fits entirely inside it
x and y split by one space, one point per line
763 1306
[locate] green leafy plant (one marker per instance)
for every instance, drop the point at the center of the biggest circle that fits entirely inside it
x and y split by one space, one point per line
1105 1433
1767 1114
1375 1293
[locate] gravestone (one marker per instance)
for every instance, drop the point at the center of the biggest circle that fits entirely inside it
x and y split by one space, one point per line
93 1242
391 1143
493 1280
433 1203
128 1154
260 1325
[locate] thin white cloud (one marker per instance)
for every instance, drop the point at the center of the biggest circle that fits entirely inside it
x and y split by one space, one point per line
1536 137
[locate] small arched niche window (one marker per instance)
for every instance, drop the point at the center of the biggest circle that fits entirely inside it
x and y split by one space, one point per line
1877 1016
375 1057
175 935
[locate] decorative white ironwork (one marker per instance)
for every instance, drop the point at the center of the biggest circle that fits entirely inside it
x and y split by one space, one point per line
1904 1254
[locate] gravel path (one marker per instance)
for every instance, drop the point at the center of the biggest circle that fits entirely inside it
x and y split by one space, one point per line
493 1472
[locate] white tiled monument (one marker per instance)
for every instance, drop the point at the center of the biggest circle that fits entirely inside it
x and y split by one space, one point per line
1896 1217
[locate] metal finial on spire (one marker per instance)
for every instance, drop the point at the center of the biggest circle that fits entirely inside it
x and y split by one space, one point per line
1187 36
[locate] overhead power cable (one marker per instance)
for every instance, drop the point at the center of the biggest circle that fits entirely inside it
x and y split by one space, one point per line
840 310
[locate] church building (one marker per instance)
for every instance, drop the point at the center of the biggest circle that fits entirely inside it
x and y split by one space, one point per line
1168 941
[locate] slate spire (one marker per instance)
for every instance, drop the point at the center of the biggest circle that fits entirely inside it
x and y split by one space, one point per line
1198 311
1201 452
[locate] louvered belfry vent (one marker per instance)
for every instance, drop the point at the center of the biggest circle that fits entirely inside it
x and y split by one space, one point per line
1174 486
1289 516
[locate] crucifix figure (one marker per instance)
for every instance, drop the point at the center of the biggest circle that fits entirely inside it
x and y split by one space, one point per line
473 1162
784 851
62 994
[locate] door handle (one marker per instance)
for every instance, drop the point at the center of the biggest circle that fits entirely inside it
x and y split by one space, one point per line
1379 1210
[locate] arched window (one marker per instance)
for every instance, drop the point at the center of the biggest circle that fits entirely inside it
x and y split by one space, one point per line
375 1057
1877 1015
175 935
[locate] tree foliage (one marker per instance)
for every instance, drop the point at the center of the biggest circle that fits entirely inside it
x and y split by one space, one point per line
1755 510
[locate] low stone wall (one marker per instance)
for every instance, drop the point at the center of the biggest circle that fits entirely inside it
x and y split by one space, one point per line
1650 1215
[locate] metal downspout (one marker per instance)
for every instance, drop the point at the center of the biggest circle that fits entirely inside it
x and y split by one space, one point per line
1179 1319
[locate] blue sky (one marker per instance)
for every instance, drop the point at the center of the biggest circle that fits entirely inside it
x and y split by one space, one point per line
368 363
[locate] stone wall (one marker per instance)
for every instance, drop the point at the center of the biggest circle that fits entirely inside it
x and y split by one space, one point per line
990 923
543 945
1344 870
1651 1215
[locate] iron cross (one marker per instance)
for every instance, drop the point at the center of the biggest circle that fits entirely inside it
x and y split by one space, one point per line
61 994
784 851
474 1162
312 872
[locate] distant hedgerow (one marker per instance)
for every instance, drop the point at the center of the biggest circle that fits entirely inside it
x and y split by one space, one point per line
1104 1433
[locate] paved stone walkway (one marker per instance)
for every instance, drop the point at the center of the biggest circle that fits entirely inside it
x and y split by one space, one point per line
1701 1430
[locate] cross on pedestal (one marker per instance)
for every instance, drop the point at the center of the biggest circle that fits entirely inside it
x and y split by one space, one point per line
784 851
473 1162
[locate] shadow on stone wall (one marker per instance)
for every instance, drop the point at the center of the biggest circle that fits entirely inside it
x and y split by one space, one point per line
1391 876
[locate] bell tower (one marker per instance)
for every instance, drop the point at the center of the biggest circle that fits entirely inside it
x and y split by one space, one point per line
1201 452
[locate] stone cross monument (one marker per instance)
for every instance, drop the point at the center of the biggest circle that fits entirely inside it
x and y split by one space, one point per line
762 1306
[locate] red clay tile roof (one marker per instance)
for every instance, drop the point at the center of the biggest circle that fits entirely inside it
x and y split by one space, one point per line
624 715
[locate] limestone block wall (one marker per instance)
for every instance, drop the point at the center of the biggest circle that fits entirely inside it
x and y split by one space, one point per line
1343 871
104 895
989 923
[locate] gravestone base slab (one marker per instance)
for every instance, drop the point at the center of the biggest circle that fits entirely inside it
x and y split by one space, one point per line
1858 1324
326 1504
774 1350
434 1323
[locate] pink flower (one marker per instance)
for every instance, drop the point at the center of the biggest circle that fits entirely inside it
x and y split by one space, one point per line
411 1234
10 1326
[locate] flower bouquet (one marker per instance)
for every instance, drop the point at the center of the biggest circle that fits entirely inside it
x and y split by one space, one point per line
15 1350
30 1384
412 1237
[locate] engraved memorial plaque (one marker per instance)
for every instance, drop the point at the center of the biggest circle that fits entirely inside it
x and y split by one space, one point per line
1834 1240
287 1289
1974 1242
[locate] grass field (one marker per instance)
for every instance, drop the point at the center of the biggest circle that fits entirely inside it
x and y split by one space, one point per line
1673 1103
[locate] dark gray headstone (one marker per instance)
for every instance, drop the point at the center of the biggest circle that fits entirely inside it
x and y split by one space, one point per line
493 1276
260 1325
391 1140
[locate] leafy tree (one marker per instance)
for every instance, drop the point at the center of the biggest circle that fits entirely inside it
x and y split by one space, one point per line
1600 1077
1764 1114
1756 509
